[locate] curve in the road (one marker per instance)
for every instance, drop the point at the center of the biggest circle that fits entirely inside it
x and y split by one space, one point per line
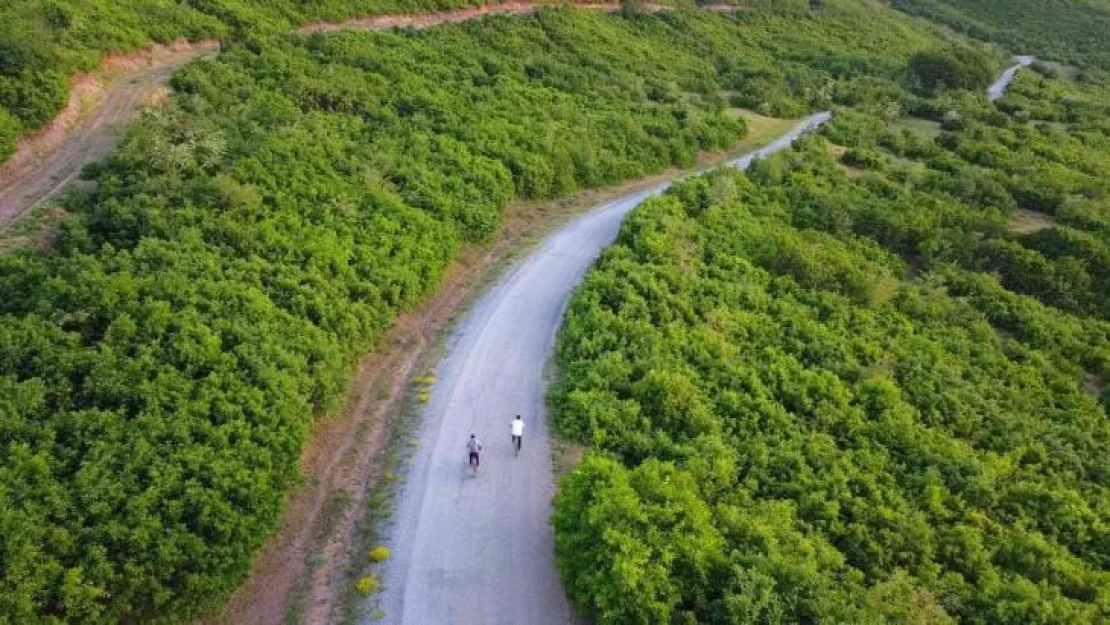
480 550
998 88
45 164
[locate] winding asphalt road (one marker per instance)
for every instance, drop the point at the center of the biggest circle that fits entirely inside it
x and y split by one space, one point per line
480 550
996 90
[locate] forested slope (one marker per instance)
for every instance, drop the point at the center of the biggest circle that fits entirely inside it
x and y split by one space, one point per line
855 384
44 42
159 369
1070 31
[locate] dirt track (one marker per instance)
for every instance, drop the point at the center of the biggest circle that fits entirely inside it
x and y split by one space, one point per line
46 163
86 131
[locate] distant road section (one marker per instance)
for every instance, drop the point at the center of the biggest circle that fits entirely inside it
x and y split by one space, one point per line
996 90
480 550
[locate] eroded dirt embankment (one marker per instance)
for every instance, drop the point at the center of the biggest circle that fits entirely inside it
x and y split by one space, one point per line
100 104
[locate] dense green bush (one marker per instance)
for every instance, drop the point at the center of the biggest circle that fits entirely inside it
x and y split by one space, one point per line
778 448
956 68
863 158
815 398
43 42
160 368
9 134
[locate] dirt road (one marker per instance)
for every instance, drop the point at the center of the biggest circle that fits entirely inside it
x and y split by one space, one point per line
45 164
480 550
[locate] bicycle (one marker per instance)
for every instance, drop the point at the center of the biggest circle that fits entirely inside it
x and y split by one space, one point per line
516 445
473 446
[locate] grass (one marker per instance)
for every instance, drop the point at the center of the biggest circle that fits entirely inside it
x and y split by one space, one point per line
837 152
337 503
925 127
378 510
1028 222
761 129
295 605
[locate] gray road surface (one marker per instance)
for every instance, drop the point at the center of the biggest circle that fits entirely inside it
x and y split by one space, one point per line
480 550
996 90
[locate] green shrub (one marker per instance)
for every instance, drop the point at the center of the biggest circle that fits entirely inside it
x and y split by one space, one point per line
958 67
798 394
863 159
9 134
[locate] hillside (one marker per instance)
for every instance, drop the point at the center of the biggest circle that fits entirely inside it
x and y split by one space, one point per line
44 42
163 364
1068 31
161 367
865 382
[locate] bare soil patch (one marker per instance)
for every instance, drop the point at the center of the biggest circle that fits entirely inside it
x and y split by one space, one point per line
1028 222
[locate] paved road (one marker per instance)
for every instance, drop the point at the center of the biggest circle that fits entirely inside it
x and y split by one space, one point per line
996 90
480 550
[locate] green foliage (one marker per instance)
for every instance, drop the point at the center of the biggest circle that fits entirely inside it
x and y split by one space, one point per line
160 369
960 67
863 158
9 134
867 397
43 42
1064 30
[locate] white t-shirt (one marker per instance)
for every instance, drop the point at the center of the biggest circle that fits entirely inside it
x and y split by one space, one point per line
518 427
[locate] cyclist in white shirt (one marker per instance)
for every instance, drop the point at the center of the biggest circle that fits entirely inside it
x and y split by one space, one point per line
516 427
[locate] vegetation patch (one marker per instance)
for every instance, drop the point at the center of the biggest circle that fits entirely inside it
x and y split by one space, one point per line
809 396
1028 222
925 127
